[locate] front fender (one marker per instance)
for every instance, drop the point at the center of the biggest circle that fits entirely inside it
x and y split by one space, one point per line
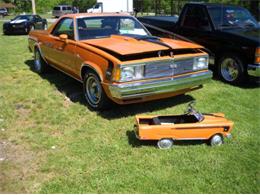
94 67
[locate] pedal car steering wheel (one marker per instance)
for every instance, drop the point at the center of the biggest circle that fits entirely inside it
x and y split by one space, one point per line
192 111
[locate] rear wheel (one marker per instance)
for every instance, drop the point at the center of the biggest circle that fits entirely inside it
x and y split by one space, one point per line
165 143
40 66
231 69
94 92
216 140
45 27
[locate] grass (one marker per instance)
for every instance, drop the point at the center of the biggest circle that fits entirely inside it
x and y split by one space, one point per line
51 142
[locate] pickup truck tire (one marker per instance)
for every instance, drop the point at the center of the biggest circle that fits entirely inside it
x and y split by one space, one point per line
165 143
94 93
231 69
40 66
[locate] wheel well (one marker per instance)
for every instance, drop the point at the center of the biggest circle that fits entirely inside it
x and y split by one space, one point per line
234 53
86 69
220 134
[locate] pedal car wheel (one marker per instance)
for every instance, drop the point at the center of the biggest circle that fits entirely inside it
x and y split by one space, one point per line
165 143
216 140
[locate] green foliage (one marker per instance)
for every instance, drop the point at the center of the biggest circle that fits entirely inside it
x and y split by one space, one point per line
43 6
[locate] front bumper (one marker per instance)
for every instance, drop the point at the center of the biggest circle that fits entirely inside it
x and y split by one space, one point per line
149 88
253 70
14 30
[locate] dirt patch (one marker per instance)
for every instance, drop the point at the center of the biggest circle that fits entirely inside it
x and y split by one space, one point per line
18 168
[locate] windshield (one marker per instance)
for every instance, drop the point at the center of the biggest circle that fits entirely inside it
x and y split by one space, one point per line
23 17
98 27
232 17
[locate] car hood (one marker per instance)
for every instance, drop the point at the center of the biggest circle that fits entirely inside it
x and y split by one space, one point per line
250 34
124 45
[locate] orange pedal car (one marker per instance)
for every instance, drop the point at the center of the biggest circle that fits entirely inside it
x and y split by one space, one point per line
189 126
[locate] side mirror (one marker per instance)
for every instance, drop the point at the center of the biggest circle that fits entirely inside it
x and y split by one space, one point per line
64 37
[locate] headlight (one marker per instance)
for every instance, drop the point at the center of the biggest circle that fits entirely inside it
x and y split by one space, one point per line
133 72
257 55
201 63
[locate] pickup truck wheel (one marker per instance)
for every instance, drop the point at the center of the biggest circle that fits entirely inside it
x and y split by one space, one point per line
94 92
216 140
165 143
40 66
231 69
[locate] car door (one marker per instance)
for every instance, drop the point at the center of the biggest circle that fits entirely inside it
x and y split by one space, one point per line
61 53
196 25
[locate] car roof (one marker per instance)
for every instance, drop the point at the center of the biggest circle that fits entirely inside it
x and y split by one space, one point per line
80 15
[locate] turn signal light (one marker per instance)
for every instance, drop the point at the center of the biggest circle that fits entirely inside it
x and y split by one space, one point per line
257 55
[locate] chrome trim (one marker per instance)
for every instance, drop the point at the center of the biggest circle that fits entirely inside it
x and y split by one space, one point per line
229 135
166 67
146 88
253 70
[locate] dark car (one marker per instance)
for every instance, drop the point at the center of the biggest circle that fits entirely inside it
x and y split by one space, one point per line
230 32
23 24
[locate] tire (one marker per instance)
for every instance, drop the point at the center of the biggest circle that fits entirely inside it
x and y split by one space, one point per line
216 140
231 69
165 143
45 26
94 93
40 66
29 29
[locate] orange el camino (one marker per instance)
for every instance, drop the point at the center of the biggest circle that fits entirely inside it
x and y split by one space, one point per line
118 60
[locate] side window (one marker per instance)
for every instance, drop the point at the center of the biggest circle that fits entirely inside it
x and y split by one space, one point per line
65 26
196 18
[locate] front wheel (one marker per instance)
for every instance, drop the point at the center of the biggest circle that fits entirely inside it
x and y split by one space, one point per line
231 69
165 143
216 140
94 92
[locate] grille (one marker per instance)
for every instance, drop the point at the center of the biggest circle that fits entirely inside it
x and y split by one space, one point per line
183 66
168 68
159 69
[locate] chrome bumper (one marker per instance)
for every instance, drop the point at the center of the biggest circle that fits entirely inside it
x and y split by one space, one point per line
229 136
148 88
253 70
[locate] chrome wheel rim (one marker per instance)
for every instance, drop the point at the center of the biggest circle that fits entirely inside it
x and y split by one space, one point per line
165 143
216 140
37 61
229 69
93 90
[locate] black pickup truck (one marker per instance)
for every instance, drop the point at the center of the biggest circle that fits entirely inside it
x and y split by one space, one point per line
231 33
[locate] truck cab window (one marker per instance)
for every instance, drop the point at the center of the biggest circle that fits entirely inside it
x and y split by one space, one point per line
65 26
195 18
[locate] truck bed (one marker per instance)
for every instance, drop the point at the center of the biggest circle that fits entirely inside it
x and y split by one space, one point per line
164 22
